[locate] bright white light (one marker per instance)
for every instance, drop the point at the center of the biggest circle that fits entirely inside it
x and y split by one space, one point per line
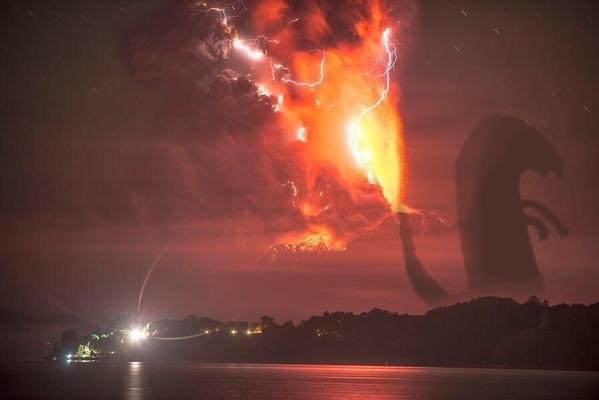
279 103
302 134
251 53
136 335
233 332
263 90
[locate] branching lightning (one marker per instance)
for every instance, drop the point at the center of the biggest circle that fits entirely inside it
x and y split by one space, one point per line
351 102
354 130
311 85
363 157
143 286
238 7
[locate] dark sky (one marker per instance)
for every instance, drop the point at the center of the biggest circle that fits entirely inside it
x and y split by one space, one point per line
91 194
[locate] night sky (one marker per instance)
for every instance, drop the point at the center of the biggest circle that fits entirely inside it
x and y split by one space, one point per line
98 175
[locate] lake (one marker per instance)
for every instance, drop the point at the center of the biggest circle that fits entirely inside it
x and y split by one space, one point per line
138 380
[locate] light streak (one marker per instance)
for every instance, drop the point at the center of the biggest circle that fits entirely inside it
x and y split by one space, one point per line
143 286
179 337
247 50
363 157
267 40
313 84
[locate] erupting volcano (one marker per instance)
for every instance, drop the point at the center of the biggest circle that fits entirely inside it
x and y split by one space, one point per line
339 99
322 81
335 96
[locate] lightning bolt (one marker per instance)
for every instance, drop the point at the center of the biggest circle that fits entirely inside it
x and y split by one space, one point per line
311 85
254 51
237 6
353 128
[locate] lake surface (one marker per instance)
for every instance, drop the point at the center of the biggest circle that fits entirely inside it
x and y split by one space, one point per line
138 380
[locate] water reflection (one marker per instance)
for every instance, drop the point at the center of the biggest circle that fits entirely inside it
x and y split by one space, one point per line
135 381
342 382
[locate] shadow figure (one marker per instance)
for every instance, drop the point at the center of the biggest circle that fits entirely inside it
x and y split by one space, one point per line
493 227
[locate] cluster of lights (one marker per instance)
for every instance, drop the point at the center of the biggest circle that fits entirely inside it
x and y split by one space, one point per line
136 335
248 332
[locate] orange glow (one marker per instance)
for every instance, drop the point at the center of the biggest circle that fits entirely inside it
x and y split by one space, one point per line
341 101
318 238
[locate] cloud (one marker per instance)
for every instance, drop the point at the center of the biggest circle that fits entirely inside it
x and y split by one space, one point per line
220 147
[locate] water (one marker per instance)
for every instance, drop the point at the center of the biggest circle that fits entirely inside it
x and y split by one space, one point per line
136 381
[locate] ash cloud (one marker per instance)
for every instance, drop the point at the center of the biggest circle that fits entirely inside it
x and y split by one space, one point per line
318 24
215 150
219 150
177 42
215 135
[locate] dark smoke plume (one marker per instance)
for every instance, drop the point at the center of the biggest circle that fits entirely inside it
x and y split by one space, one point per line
219 149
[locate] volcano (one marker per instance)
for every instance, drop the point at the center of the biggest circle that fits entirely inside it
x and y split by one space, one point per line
289 112
316 247
313 248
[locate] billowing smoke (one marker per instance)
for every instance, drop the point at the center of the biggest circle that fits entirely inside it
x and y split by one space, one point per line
225 146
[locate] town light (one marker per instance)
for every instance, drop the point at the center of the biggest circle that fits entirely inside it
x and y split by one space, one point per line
137 335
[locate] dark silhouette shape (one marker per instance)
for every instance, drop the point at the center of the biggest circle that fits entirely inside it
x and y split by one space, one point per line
496 246
484 332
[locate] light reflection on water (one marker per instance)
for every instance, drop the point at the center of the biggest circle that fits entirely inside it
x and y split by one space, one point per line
337 382
172 381
135 381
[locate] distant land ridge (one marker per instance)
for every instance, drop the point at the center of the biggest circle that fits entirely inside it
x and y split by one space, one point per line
484 332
